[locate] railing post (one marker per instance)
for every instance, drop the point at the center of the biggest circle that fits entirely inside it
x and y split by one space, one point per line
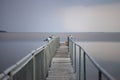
10 76
68 44
84 65
75 57
72 53
99 75
33 57
79 63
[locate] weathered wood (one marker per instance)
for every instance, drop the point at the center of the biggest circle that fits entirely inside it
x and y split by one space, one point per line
61 68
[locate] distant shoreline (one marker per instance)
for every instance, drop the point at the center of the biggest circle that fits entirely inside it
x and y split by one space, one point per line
3 31
57 32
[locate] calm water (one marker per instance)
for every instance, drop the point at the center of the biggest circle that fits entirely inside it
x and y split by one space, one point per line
12 51
103 47
15 46
107 54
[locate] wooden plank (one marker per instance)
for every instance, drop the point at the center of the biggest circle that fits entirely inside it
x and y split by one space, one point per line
61 68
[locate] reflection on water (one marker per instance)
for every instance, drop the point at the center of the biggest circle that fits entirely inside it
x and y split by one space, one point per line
107 54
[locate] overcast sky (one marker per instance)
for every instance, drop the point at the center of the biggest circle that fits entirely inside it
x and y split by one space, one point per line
60 15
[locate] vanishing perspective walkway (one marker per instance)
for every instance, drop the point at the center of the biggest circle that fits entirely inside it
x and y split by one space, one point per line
61 68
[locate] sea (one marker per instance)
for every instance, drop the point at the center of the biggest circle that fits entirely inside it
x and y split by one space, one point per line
103 47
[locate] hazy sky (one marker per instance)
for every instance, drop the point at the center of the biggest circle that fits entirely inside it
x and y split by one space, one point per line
60 15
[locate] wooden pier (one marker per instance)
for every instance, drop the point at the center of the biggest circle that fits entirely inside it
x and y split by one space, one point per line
61 68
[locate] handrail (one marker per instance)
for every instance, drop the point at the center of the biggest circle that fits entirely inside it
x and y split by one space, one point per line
34 65
101 71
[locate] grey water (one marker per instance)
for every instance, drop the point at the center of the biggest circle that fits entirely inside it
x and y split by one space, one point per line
106 54
12 52
103 47
15 46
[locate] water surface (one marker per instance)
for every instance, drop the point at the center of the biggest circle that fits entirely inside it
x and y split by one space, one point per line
15 46
103 47
107 54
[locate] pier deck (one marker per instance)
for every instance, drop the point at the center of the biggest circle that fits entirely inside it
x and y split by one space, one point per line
61 68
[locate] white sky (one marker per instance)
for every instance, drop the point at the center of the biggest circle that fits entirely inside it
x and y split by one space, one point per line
60 15
98 18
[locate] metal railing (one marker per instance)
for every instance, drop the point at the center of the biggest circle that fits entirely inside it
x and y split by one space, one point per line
81 66
35 65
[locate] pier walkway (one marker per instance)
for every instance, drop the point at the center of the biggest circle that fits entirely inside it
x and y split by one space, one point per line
61 68
55 61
